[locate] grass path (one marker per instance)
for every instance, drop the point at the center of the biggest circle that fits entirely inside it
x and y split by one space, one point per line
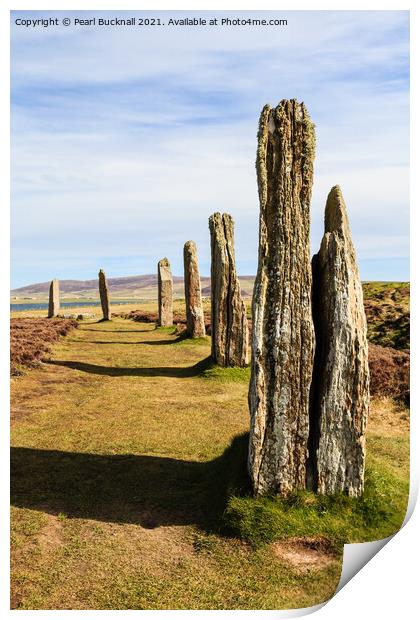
122 449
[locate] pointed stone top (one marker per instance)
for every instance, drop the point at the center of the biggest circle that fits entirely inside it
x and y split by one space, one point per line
164 262
101 271
336 219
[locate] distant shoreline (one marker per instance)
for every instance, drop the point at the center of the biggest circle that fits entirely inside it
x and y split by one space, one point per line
20 306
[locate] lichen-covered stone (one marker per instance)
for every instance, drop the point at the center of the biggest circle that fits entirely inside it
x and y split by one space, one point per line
165 294
341 373
229 327
282 334
192 283
104 295
54 299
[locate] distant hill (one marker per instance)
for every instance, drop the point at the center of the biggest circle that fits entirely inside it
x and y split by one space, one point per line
129 287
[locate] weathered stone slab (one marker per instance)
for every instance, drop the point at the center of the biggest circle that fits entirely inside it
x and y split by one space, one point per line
54 299
229 328
341 373
104 295
282 334
165 294
192 283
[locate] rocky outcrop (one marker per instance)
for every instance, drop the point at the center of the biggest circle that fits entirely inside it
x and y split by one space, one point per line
165 294
192 283
341 374
229 328
283 334
54 299
104 295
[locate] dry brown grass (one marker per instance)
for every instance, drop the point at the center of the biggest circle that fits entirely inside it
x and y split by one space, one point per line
388 418
31 338
389 372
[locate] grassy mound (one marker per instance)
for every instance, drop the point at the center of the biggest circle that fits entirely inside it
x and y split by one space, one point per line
339 518
387 306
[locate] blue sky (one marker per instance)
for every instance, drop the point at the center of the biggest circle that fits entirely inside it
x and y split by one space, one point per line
125 140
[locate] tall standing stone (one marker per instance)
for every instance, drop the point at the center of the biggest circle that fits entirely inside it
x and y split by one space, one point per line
165 293
341 373
54 299
192 283
104 295
282 334
229 326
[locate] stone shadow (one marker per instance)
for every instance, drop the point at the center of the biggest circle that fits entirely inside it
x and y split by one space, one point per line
115 371
147 490
116 331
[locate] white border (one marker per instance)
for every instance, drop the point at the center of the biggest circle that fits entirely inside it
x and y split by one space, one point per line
387 586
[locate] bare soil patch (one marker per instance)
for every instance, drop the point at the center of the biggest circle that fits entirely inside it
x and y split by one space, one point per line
305 554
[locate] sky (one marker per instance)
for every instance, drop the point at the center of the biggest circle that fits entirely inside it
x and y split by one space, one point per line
126 139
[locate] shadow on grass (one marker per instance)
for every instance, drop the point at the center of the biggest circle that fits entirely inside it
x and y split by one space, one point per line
147 342
115 331
158 371
133 342
182 337
147 490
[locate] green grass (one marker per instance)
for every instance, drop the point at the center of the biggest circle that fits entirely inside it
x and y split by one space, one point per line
171 330
193 342
372 289
387 307
341 519
129 483
227 375
379 513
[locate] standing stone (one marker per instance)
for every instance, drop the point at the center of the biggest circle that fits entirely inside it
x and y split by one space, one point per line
165 287
282 333
229 326
54 299
104 294
341 374
192 283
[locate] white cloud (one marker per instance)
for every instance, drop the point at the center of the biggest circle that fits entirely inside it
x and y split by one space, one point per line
125 141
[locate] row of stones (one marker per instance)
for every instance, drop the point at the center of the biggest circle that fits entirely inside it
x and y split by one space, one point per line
309 387
229 323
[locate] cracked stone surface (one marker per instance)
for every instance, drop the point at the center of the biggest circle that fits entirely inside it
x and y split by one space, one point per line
54 299
192 283
283 334
165 294
104 295
229 327
341 373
